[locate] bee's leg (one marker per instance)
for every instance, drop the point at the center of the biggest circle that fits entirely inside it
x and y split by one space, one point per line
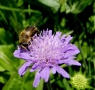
28 49
38 32
29 43
31 38
25 48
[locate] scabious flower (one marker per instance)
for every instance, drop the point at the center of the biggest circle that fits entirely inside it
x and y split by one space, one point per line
47 52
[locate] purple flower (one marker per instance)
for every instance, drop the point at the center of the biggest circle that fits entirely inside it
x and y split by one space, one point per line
47 52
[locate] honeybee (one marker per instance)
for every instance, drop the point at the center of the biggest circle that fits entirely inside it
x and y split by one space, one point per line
26 36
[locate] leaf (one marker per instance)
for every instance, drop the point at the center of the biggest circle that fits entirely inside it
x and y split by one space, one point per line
4 76
51 3
20 83
14 83
20 2
63 5
60 83
3 17
5 37
5 62
66 84
77 6
1 69
2 79
6 57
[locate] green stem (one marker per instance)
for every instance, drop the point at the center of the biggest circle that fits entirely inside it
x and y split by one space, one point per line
18 10
47 85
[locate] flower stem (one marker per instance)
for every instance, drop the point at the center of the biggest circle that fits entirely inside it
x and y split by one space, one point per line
47 85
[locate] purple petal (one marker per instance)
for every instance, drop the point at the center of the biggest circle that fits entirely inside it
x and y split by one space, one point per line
34 67
58 34
24 55
22 69
66 47
63 36
67 39
62 72
45 73
71 50
37 79
50 32
16 53
53 70
71 62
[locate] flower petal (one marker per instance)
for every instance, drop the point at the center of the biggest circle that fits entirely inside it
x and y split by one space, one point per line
21 54
22 69
63 36
66 39
16 53
71 50
58 34
34 67
53 70
45 73
62 72
71 62
25 56
50 33
37 79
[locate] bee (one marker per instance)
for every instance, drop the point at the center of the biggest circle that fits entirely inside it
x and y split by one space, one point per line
26 36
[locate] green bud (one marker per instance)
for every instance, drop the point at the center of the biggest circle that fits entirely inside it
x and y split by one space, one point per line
79 81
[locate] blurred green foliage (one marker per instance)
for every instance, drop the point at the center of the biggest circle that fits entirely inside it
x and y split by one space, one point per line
75 17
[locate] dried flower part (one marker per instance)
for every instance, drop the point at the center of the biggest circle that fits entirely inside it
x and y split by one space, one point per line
47 52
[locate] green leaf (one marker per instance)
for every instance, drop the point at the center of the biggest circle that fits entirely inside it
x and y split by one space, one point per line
77 6
20 83
60 83
4 76
5 37
2 80
51 3
3 17
66 84
14 83
5 62
63 5
6 57
2 69
20 2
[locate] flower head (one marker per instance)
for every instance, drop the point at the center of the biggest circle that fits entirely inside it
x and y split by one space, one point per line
79 81
46 53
